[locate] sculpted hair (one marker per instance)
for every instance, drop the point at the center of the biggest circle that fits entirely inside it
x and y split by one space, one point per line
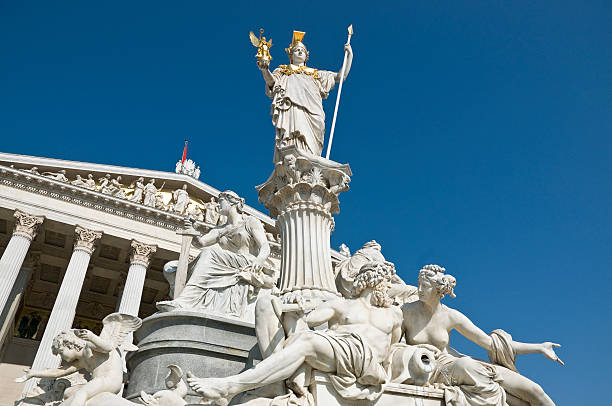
375 275
67 339
444 283
233 199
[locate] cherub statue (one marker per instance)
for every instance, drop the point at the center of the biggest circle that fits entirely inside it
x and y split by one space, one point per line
101 356
174 395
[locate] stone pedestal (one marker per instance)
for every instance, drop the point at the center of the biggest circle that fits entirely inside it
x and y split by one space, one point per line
207 345
394 394
302 192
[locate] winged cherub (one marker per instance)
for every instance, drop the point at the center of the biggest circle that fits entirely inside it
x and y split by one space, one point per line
101 356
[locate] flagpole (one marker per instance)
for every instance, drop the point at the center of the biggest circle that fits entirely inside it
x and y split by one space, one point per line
333 126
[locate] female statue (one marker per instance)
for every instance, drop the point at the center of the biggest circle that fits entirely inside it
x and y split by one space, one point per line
297 93
470 382
231 267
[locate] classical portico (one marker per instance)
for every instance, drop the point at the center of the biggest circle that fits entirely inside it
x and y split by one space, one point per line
73 254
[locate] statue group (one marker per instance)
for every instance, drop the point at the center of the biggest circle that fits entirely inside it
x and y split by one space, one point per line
373 330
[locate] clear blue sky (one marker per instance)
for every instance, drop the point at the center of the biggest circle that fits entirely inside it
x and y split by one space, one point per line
478 133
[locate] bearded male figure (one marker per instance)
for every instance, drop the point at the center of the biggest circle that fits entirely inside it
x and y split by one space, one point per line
352 350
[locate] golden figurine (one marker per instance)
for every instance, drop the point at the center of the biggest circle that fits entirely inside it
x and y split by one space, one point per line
263 46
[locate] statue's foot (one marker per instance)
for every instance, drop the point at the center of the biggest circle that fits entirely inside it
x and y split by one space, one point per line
216 390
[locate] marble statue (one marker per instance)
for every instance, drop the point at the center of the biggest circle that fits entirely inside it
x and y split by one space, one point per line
150 191
344 250
181 200
232 266
100 356
469 382
370 252
159 203
351 350
79 181
297 93
138 193
104 184
174 395
33 170
117 188
195 211
212 212
188 167
90 183
59 176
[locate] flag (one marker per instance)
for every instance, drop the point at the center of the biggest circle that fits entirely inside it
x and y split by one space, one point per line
184 153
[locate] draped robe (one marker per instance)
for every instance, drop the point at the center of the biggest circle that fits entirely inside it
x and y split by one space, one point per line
297 108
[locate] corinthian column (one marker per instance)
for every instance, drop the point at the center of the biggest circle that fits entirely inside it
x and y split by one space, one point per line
64 308
140 258
302 193
26 227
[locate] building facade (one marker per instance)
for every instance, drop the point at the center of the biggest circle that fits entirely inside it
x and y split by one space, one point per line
81 240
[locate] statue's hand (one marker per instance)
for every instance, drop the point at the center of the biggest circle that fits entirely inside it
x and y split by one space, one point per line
26 376
549 352
83 334
262 64
348 49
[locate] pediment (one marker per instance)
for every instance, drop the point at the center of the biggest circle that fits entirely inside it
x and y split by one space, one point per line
52 170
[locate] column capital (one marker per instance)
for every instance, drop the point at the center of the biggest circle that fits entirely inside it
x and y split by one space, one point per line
86 239
141 253
299 177
27 225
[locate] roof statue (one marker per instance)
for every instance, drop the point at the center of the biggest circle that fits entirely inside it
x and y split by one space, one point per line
297 92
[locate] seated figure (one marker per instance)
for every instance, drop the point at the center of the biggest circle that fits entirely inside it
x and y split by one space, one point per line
231 267
466 381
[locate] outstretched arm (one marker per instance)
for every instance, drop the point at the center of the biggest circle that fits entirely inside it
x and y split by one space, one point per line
349 62
97 343
264 67
51 373
470 331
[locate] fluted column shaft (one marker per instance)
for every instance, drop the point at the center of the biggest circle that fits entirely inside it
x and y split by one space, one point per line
140 258
302 192
305 229
26 227
64 308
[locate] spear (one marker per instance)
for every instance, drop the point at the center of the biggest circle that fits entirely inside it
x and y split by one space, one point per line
333 126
